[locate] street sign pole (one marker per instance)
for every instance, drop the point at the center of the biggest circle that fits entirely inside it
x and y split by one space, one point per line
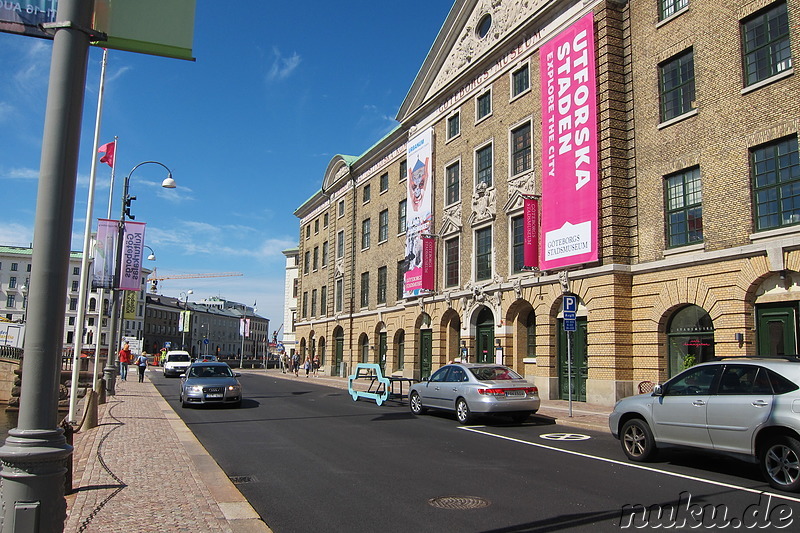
569 312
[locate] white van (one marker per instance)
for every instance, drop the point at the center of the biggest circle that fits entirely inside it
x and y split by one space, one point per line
176 363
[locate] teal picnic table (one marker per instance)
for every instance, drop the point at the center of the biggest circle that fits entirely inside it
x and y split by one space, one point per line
380 388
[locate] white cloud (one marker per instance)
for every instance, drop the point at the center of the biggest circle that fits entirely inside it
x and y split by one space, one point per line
14 234
19 174
282 67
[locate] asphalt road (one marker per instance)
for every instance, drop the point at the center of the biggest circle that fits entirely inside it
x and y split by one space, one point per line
309 458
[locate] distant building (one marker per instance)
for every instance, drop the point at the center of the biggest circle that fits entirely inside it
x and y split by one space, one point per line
290 299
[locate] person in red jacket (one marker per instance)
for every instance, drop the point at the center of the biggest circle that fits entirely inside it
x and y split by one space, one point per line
125 358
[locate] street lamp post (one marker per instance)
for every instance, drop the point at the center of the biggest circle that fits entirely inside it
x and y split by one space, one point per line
109 372
185 319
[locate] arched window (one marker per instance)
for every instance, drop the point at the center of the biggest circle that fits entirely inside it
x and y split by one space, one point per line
530 330
401 349
690 337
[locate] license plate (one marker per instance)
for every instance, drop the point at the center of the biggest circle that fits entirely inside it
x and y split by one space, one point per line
214 395
514 393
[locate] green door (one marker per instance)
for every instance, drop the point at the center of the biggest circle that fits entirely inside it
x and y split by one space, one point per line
382 349
777 330
339 342
580 368
425 353
484 340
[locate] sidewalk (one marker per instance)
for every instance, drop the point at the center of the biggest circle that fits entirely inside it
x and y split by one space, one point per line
584 415
142 470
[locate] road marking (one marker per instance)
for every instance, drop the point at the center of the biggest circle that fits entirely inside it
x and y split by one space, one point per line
565 436
632 465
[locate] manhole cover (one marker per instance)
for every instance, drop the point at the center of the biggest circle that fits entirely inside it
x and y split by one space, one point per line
458 502
238 480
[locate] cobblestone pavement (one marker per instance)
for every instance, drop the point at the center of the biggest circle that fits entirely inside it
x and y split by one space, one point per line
142 470
584 415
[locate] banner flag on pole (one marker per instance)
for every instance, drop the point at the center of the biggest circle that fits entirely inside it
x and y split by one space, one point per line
108 149
530 233
130 271
105 254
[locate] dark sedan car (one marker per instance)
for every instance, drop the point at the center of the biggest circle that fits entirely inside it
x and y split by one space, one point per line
210 383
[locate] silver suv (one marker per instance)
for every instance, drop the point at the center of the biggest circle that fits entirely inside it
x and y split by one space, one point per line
747 408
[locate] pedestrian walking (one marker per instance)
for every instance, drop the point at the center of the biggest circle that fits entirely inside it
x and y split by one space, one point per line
284 362
307 365
315 364
295 363
141 364
125 358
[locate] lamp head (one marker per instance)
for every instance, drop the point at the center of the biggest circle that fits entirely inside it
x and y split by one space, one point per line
169 183
151 257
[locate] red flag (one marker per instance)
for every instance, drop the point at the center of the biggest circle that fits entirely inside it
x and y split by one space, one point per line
108 149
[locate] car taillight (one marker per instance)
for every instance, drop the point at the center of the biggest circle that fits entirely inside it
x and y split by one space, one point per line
501 392
492 392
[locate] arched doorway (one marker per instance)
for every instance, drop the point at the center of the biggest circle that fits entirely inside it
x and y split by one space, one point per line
425 346
690 337
484 336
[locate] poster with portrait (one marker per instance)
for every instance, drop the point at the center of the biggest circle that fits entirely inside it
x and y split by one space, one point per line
105 254
419 217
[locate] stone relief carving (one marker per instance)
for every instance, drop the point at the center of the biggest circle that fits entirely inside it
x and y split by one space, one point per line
483 204
506 14
451 220
339 268
517 283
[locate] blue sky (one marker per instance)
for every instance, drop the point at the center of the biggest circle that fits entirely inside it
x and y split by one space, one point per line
248 130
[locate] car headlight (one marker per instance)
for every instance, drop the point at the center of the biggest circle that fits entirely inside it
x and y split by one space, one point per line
234 387
194 388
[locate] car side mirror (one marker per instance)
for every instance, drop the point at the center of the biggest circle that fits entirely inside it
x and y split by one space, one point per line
658 390
183 375
237 374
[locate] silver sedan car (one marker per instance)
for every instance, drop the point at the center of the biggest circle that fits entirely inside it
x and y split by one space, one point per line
470 389
210 383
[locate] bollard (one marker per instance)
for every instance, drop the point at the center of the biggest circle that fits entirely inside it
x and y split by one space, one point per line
101 391
69 431
90 413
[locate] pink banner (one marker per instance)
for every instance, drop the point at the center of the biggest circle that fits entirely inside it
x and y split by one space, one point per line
130 273
428 262
569 148
530 233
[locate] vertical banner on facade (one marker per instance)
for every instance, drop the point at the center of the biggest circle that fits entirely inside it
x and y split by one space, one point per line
530 233
244 327
428 262
419 217
105 254
130 273
184 320
569 147
129 305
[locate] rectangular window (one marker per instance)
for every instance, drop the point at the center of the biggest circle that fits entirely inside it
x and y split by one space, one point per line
521 81
676 85
776 184
483 254
339 295
307 262
667 8
12 282
308 231
323 300
314 302
401 217
75 270
517 241
10 300
453 183
341 208
73 304
365 231
385 182
383 226
364 289
316 226
15 267
295 288
325 220
451 262
521 149
382 278
765 44
453 126
483 105
400 278
325 254
316 258
366 194
75 285
403 169
340 244
483 165
305 304
684 199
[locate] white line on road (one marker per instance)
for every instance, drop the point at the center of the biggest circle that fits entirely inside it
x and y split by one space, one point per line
475 429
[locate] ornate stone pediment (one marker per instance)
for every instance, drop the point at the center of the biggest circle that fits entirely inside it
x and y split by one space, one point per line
451 220
518 188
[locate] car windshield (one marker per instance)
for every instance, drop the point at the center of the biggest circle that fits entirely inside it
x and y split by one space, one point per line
216 371
493 373
179 357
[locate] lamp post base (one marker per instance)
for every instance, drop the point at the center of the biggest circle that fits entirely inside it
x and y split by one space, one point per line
110 377
34 466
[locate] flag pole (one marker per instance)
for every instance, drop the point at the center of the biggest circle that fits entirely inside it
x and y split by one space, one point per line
87 242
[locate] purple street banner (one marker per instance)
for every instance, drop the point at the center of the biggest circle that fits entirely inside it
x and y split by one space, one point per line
569 148
105 254
428 262
419 218
530 233
130 273
24 16
244 327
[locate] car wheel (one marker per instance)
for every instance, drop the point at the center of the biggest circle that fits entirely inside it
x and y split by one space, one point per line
463 413
780 463
415 403
184 405
519 418
637 440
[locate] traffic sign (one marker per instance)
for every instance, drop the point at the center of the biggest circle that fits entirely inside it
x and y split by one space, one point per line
570 324
205 341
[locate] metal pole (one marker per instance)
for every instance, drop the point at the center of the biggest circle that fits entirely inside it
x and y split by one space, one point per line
570 341
87 243
35 454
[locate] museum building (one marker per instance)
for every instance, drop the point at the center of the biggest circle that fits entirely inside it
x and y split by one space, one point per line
642 156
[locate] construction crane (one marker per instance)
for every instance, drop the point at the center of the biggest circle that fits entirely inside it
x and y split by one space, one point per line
154 278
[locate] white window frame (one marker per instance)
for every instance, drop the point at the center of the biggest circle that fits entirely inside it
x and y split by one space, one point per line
488 91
